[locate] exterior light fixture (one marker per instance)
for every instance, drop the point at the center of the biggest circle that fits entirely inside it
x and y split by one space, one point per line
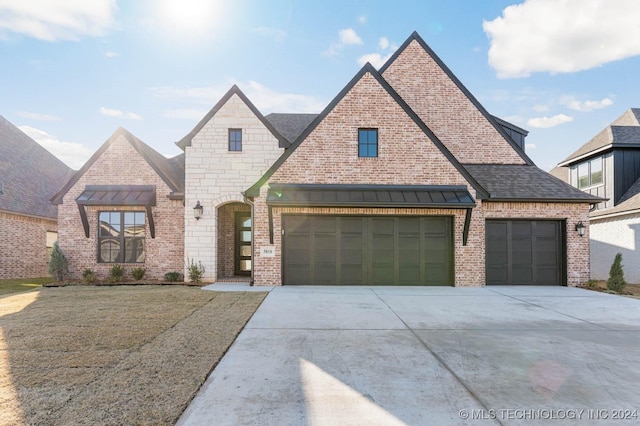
197 211
580 228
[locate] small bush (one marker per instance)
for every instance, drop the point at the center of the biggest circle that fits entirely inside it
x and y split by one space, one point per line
172 276
58 265
138 273
116 274
88 276
195 271
616 280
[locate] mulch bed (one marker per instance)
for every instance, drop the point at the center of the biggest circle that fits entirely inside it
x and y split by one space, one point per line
132 355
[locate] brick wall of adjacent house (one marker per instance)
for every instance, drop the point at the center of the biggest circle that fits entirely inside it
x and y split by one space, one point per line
446 110
23 251
577 247
121 164
215 176
227 237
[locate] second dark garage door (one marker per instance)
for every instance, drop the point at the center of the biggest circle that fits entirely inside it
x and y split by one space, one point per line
529 252
367 250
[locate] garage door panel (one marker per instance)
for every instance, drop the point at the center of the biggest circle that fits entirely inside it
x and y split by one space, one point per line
353 250
524 252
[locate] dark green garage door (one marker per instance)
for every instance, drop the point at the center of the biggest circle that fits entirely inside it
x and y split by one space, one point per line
527 252
371 250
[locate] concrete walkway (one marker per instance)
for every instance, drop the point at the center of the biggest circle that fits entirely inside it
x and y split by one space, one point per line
443 355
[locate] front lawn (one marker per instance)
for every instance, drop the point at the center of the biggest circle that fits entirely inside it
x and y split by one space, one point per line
112 355
22 284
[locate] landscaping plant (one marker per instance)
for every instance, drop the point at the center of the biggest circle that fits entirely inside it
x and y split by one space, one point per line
58 265
616 280
117 272
88 276
195 271
138 273
172 276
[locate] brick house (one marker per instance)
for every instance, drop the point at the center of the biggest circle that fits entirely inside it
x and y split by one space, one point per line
29 176
608 165
403 179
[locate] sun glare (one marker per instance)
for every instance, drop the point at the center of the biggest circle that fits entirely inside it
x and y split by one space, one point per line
188 18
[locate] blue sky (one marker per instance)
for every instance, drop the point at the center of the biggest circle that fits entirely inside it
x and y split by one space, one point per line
73 71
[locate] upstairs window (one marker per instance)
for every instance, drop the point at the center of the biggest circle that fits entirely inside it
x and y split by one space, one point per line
590 173
121 237
235 139
367 143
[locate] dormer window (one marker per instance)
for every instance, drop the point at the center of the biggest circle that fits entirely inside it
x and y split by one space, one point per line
235 139
590 173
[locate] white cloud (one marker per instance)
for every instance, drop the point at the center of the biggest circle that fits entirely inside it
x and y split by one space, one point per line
377 59
562 36
346 37
529 146
547 122
349 36
37 116
72 154
362 19
111 54
265 99
587 106
53 20
119 114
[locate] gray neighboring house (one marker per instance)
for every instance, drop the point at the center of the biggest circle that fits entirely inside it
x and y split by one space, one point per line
608 166
29 176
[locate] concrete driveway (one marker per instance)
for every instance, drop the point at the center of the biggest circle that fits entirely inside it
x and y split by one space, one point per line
443 355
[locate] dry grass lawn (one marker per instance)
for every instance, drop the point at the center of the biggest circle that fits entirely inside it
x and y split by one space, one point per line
112 355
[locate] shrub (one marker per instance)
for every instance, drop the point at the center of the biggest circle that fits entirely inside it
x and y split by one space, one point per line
58 265
616 280
138 273
116 274
172 276
195 271
88 276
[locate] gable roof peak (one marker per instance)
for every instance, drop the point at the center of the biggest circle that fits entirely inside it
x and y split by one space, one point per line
234 90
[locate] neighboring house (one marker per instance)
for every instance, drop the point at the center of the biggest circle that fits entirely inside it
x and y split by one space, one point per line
403 179
608 166
29 176
124 206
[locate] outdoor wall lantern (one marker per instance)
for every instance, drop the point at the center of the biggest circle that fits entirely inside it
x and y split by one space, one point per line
197 211
580 228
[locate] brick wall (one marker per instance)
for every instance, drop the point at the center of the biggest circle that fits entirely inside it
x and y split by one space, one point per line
446 110
215 176
121 164
23 251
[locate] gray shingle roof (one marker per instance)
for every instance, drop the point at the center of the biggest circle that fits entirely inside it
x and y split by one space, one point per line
290 125
30 175
623 132
525 183
630 201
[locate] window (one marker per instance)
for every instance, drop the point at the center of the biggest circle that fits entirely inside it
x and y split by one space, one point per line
121 237
235 139
590 173
367 142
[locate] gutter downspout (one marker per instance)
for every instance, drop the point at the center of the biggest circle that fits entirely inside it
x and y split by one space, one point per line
250 202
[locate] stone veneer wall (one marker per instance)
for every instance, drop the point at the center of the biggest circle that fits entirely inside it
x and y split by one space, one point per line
23 252
215 176
121 164
446 110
